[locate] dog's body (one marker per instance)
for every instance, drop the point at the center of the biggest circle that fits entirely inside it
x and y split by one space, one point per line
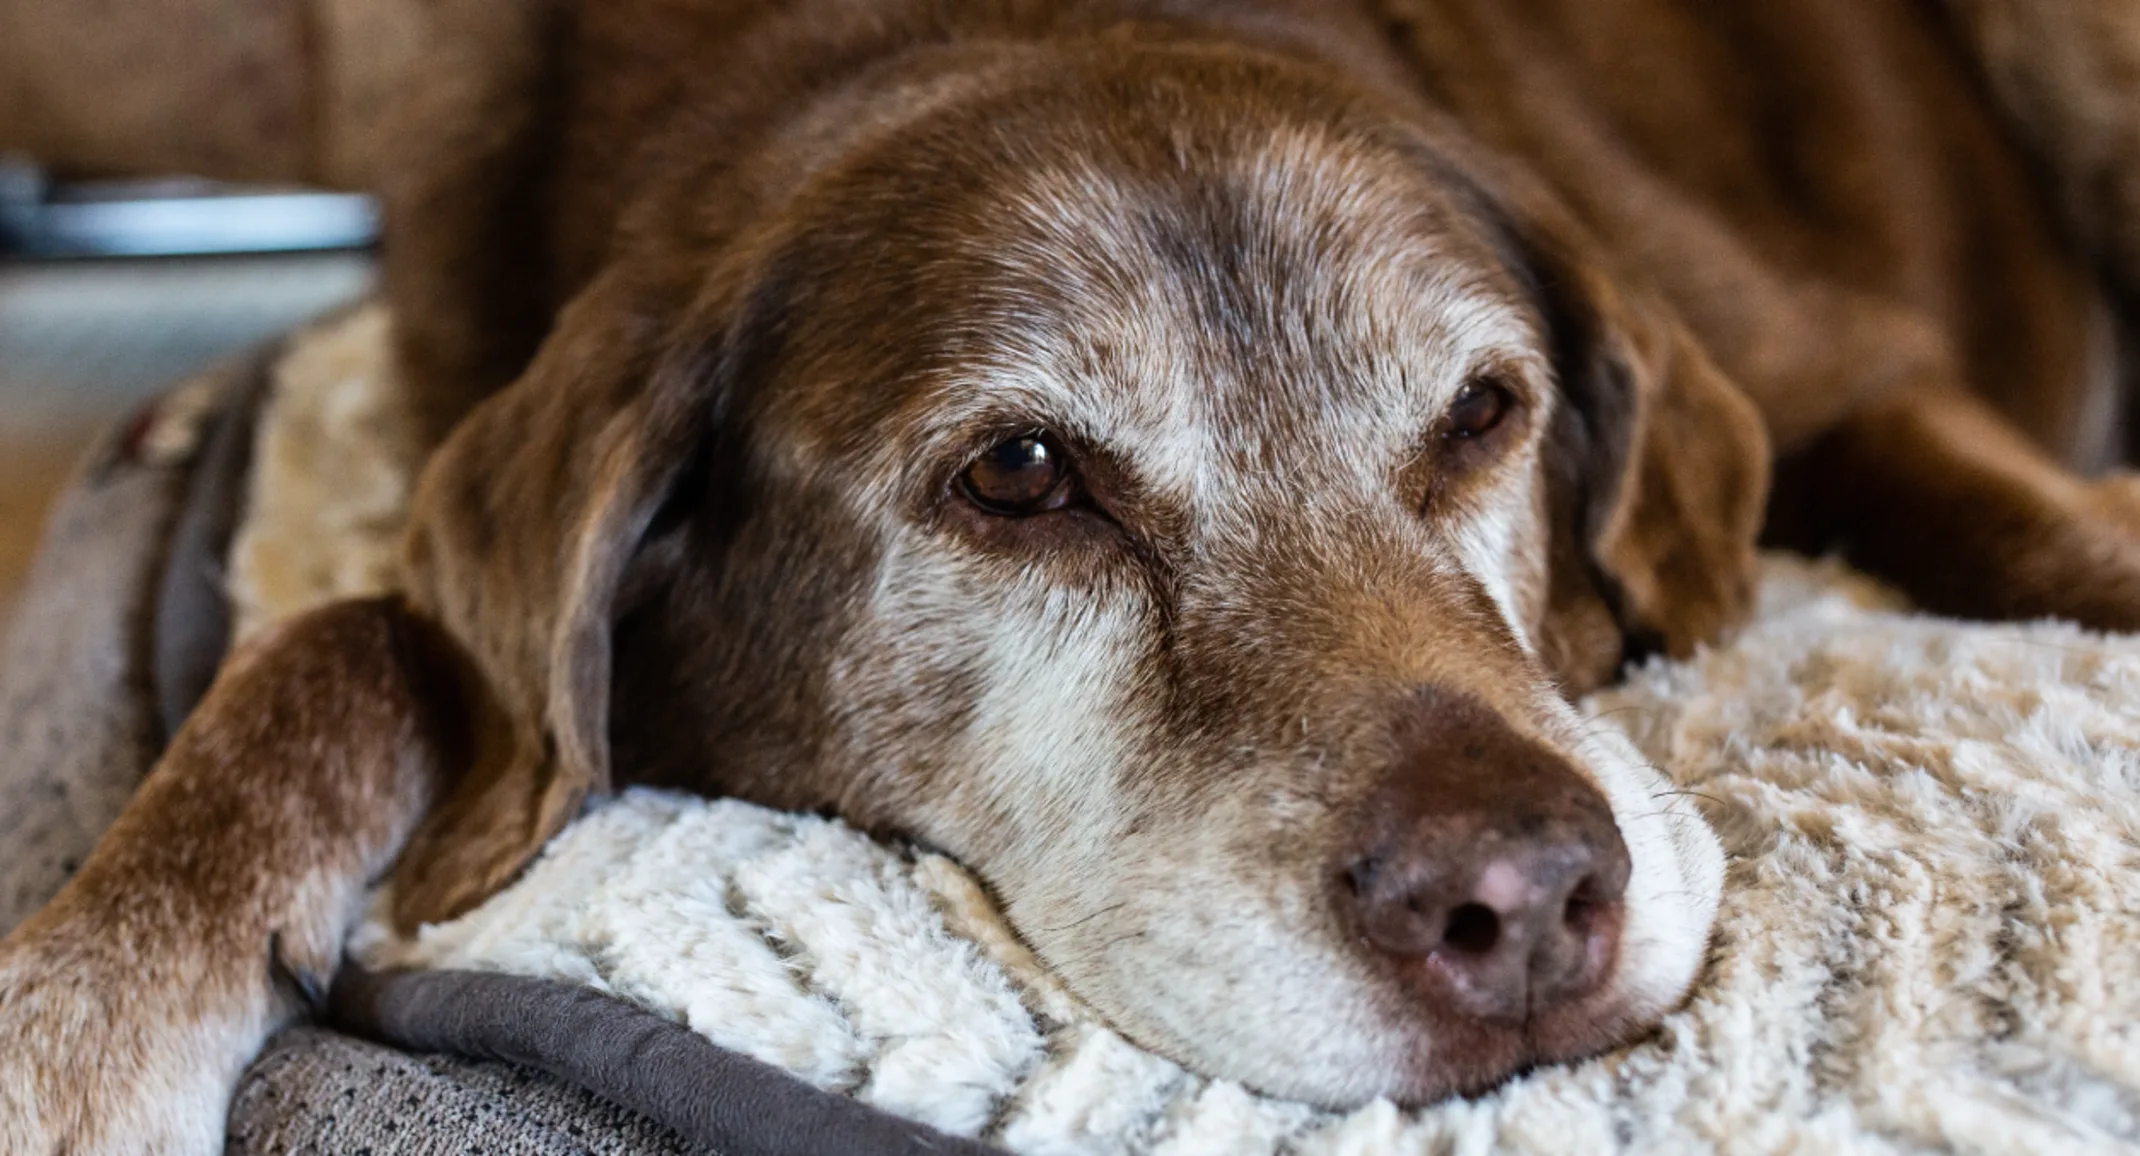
1178 456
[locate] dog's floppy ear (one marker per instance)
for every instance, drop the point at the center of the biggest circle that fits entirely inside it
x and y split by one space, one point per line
524 526
1659 464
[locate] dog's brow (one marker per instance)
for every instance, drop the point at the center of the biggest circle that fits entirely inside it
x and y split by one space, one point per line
1364 381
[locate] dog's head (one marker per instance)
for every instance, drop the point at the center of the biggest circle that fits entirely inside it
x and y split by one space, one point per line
1183 489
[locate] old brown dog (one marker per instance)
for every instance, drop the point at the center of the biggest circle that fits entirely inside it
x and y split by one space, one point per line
1180 457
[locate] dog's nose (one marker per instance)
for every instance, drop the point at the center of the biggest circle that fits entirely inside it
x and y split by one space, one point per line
1490 873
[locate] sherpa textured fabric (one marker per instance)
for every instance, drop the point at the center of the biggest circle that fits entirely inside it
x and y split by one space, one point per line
1929 940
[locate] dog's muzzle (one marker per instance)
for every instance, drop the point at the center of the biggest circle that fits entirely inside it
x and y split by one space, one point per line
1488 873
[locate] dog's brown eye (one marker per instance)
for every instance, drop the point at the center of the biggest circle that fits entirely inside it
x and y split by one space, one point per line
1023 476
1479 408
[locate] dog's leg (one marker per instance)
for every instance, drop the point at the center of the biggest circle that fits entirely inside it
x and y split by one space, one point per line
216 906
1936 493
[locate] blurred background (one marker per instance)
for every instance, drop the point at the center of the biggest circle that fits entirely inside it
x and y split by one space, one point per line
112 291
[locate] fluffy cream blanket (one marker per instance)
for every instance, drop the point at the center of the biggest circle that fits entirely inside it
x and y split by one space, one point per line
1929 940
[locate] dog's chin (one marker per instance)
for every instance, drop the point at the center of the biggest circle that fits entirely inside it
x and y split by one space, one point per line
1477 1058
1419 1058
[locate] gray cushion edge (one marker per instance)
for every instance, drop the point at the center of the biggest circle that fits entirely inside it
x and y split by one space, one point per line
317 1091
98 628
192 618
76 721
630 1056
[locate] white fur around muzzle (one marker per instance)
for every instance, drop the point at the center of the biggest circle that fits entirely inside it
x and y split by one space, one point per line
1929 936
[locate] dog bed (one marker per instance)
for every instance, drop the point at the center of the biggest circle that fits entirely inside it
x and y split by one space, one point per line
1928 937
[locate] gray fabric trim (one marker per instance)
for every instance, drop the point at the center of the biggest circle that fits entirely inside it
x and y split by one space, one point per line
192 622
313 1091
669 1073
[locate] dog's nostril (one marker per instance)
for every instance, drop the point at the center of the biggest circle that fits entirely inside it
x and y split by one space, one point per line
1581 910
1361 875
1473 929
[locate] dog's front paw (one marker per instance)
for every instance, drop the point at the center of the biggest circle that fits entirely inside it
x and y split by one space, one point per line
94 1060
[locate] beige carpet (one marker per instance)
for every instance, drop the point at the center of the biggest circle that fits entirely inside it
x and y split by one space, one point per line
34 462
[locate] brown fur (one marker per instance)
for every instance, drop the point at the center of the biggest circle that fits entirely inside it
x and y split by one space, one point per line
710 300
214 909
